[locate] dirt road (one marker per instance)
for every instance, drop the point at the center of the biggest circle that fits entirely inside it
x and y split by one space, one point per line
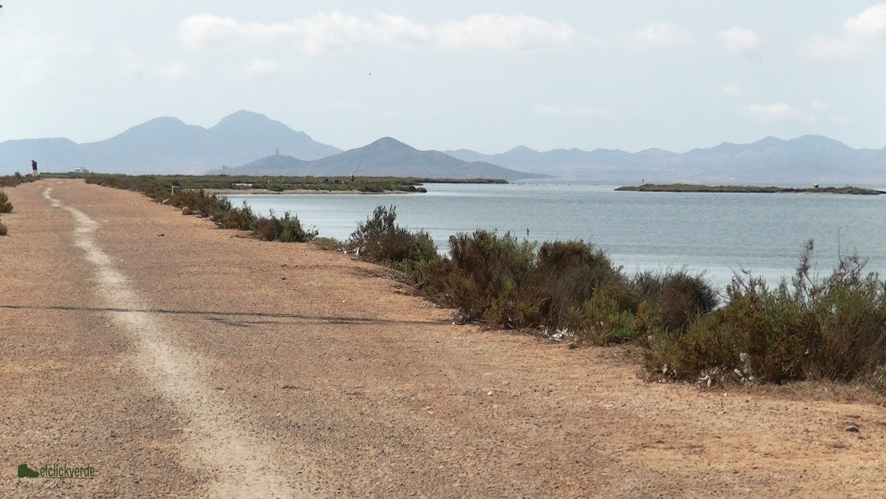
176 359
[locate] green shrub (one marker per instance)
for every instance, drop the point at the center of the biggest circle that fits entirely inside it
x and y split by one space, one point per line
486 277
609 315
287 229
820 329
5 205
241 218
504 282
671 300
568 274
379 239
3 229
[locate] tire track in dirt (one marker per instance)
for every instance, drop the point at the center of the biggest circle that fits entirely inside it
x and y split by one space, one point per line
215 439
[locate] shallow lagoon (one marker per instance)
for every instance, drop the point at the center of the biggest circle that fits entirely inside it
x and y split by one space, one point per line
716 233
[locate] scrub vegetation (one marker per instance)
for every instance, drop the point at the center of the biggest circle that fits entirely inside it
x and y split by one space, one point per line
809 328
15 179
5 205
212 206
160 186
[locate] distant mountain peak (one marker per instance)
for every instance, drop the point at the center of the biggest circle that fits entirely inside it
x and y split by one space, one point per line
162 122
246 119
386 141
386 144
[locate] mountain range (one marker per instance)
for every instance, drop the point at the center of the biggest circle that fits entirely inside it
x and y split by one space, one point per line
246 142
807 159
385 157
166 145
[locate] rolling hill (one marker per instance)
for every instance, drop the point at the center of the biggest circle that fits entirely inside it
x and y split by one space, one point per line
385 157
166 145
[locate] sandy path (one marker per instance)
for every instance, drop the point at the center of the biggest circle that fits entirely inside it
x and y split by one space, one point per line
331 380
213 440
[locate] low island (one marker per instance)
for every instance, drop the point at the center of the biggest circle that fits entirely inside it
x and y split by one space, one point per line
158 186
750 189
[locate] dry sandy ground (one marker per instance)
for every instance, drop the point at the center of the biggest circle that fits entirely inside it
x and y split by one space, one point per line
177 359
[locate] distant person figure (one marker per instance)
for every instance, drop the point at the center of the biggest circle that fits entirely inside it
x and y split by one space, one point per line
34 167
352 178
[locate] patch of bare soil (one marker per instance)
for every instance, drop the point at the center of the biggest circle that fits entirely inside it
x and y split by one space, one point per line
333 383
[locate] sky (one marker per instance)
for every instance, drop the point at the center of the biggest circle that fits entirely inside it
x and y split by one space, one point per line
481 75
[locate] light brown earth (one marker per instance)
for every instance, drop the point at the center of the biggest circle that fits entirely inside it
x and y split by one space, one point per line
177 359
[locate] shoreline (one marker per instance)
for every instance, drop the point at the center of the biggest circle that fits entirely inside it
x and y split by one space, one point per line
746 189
302 191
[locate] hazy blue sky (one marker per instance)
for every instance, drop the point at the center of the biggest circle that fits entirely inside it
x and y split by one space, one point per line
484 75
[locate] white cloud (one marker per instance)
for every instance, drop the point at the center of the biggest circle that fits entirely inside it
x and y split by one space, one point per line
742 41
264 67
778 112
871 23
731 90
506 33
817 105
829 49
658 36
325 33
576 112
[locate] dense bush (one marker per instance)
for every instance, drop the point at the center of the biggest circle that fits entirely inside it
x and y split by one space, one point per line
379 239
832 328
5 205
287 229
3 229
486 276
504 282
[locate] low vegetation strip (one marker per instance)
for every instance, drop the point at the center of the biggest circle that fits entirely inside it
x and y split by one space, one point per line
15 179
5 204
157 186
749 189
217 208
810 328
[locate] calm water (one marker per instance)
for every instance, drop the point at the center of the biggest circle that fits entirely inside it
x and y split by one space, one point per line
716 233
